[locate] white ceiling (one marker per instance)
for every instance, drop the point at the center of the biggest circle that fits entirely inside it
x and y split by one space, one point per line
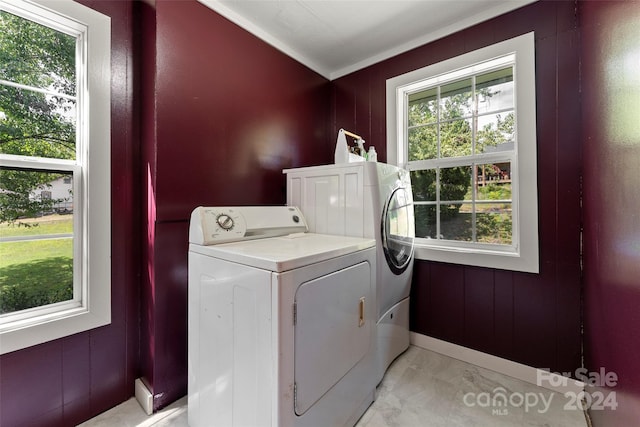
337 37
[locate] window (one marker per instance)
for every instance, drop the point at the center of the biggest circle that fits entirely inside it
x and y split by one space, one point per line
55 270
465 128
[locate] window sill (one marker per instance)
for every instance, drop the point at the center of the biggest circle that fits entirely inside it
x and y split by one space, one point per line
498 259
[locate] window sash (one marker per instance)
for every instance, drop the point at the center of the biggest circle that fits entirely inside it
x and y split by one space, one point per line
510 248
45 313
405 91
48 312
436 84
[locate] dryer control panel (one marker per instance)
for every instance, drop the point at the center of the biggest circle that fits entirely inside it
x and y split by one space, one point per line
214 225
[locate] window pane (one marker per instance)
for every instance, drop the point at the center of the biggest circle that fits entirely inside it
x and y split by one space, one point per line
36 239
455 222
35 124
455 183
423 183
496 132
495 90
37 56
456 100
425 217
423 142
423 107
455 138
493 181
494 223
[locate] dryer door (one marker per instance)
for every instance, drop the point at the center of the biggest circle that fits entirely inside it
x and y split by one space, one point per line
332 330
398 230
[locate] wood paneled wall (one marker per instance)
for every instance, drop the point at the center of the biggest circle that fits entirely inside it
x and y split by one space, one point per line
611 137
529 318
67 381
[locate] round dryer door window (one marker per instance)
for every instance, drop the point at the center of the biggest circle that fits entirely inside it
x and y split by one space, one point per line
398 230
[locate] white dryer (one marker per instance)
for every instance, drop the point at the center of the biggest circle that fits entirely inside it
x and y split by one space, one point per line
371 200
281 321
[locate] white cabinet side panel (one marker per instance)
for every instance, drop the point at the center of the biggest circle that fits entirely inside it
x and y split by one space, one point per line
230 374
294 192
354 203
331 198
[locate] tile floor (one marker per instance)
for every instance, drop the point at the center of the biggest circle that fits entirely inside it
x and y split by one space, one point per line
421 389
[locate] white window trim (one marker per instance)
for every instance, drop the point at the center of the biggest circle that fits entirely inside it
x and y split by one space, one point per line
92 258
524 256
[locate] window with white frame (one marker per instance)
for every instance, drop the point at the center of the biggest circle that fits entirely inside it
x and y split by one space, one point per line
55 248
465 128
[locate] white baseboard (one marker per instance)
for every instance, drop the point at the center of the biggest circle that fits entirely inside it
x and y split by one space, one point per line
540 377
144 397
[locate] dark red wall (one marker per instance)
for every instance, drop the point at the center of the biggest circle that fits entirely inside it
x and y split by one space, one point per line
611 135
66 381
223 114
529 318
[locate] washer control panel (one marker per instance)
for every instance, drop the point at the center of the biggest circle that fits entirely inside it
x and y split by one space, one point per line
214 225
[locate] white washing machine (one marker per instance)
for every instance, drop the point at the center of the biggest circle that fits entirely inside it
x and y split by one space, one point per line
371 200
281 321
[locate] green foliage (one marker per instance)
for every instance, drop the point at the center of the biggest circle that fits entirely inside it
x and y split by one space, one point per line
35 272
455 127
495 192
491 136
35 55
36 283
424 185
33 123
15 203
494 226
62 224
455 131
454 183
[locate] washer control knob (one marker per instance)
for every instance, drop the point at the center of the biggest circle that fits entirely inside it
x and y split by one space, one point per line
225 221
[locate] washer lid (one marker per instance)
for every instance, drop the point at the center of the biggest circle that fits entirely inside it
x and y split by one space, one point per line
285 253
